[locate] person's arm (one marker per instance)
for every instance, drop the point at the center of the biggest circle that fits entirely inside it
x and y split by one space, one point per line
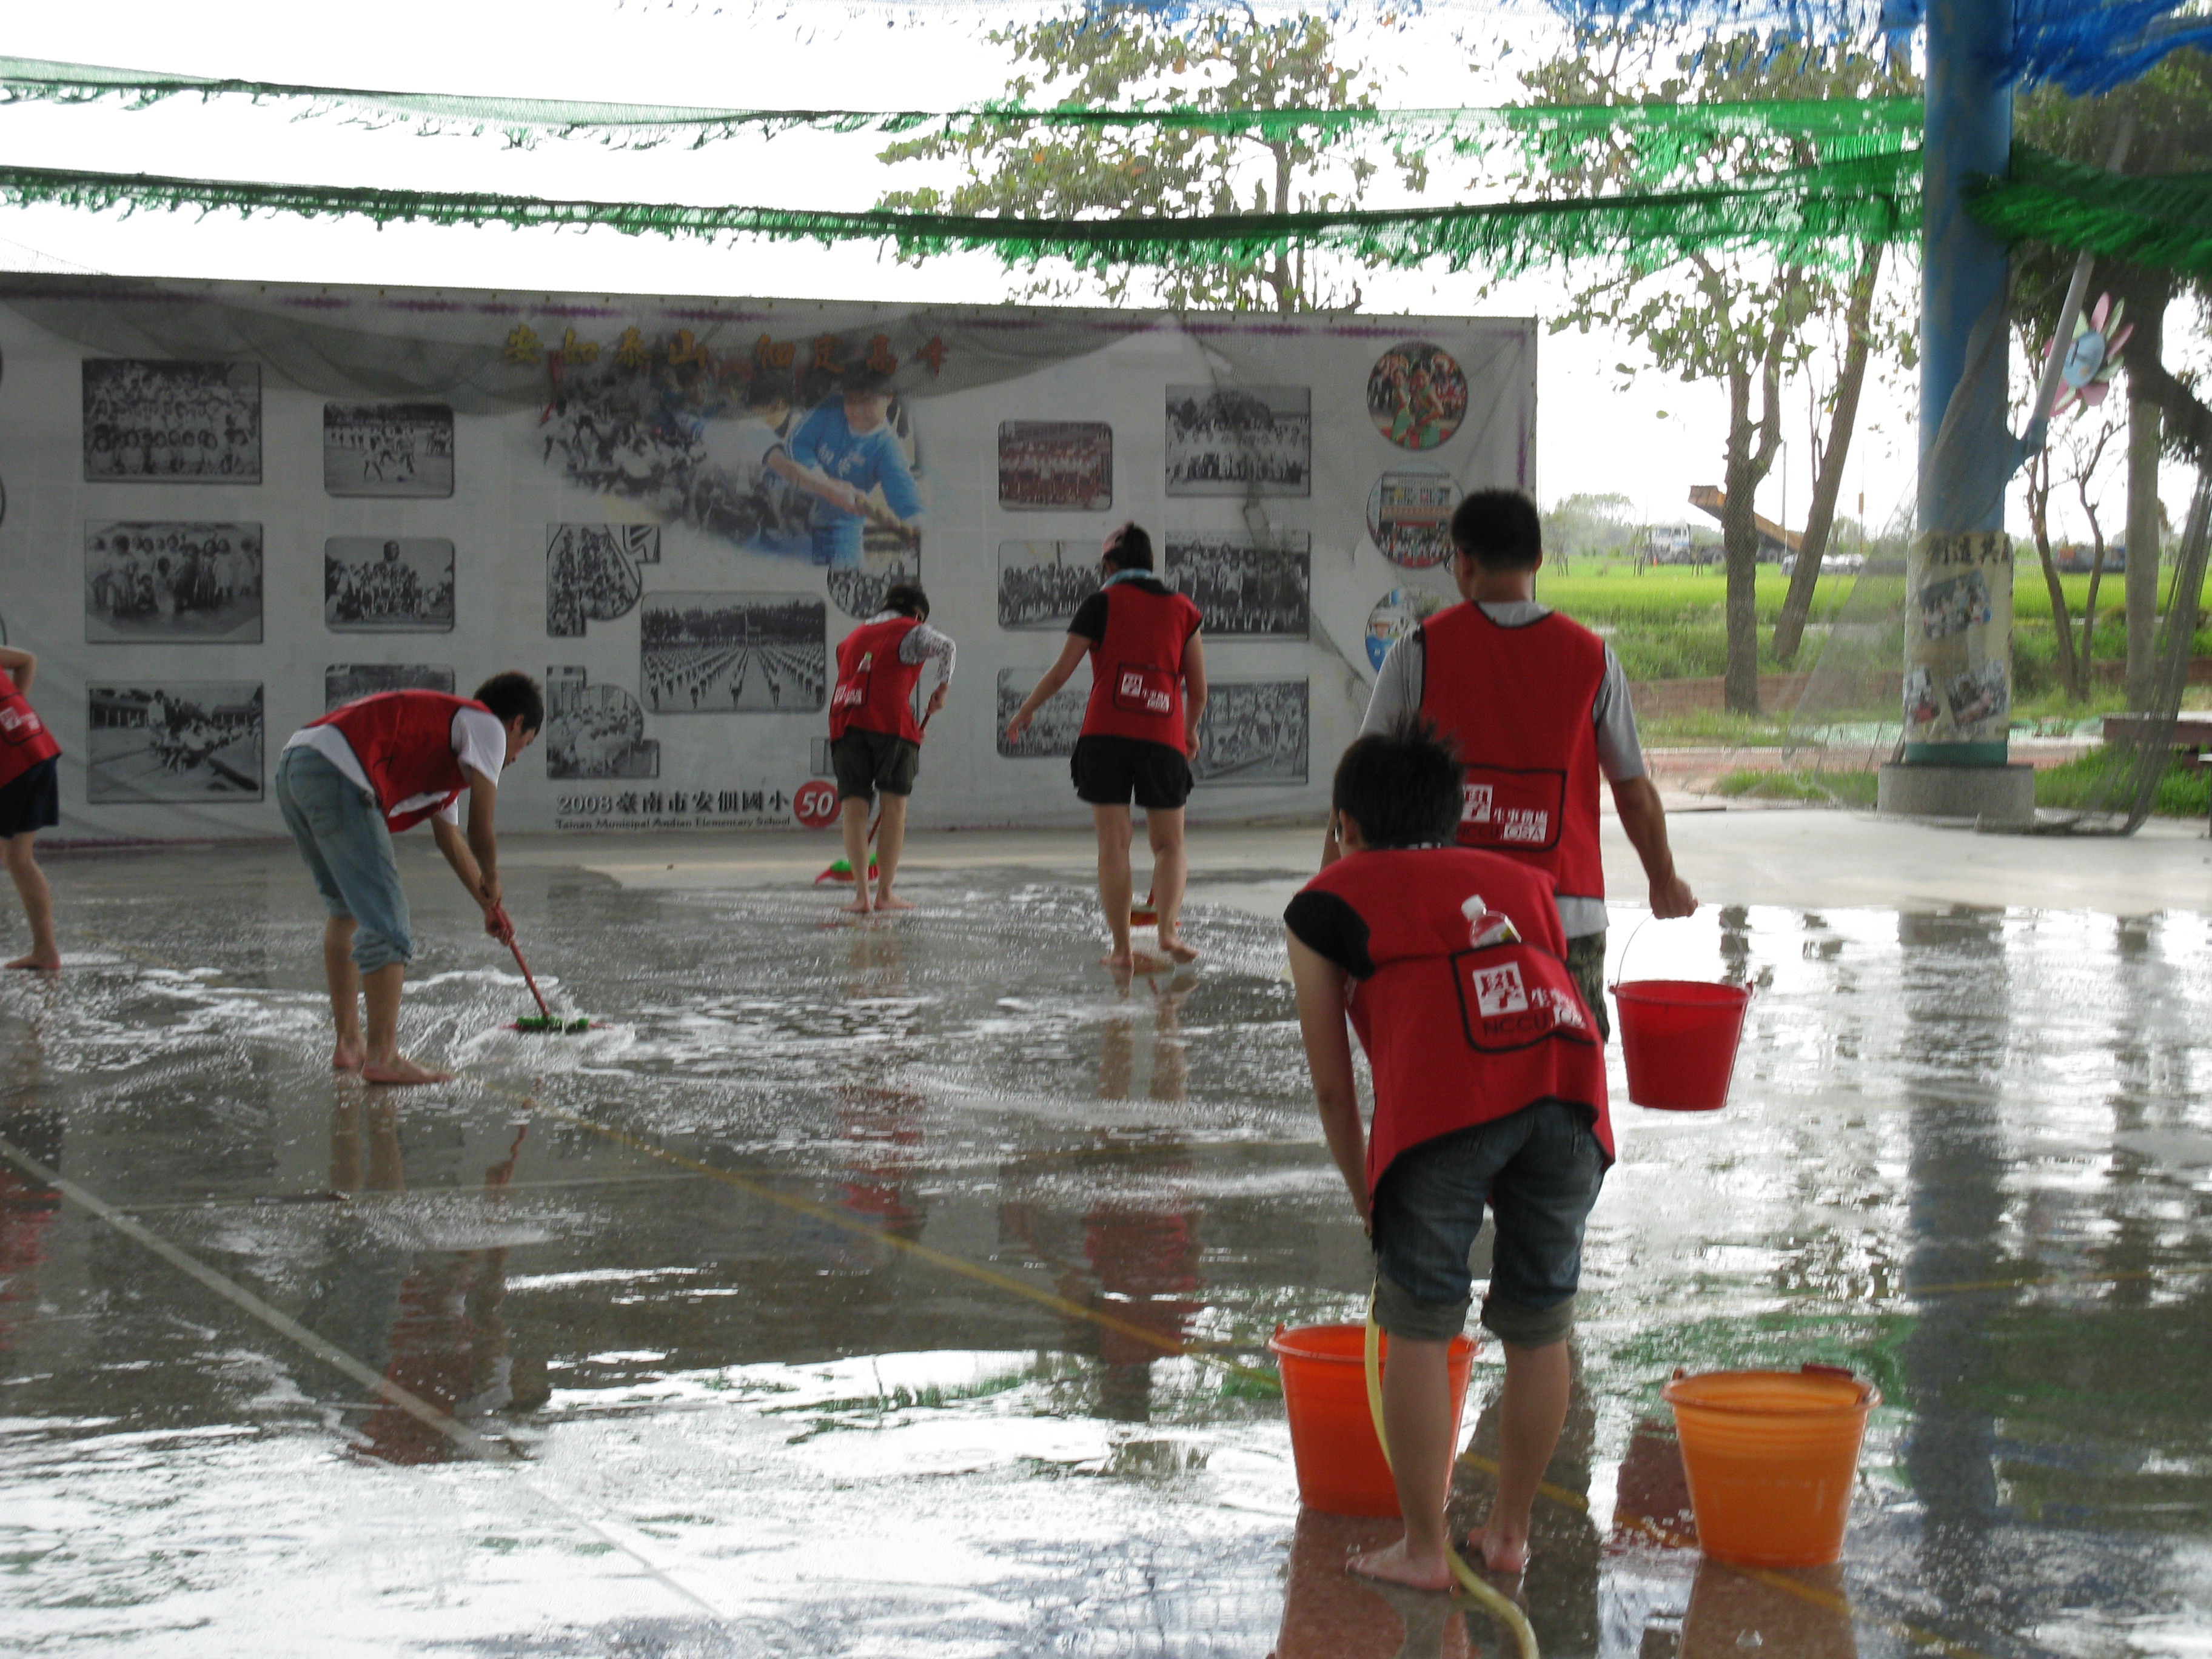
901 509
474 857
924 644
1320 985
842 496
1193 688
1397 694
21 667
1644 818
1072 652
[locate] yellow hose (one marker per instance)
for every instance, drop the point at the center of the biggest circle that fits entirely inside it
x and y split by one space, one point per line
1496 1605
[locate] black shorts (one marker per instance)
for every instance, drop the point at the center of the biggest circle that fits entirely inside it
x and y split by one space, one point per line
32 801
866 762
1108 770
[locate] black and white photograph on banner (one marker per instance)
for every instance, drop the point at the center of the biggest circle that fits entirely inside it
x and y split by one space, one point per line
1979 696
1053 733
732 654
1246 587
594 730
388 450
1065 466
592 573
1253 731
388 585
164 422
190 583
180 740
1417 395
1042 584
1240 441
1951 605
1409 518
886 557
343 681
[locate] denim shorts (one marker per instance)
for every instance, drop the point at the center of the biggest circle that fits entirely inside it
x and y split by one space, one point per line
1539 1171
339 832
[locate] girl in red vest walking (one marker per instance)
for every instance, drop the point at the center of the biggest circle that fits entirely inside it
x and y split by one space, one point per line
875 741
1139 731
1489 1090
30 800
367 771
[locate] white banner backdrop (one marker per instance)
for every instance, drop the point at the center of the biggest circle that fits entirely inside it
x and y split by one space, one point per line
230 506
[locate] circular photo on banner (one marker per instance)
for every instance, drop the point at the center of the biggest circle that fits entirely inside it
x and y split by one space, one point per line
1400 609
1417 395
1409 518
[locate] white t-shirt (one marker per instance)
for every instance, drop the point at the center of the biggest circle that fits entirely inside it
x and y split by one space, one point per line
479 744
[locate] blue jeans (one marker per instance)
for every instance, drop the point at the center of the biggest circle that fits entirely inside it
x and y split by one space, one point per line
1539 1171
342 836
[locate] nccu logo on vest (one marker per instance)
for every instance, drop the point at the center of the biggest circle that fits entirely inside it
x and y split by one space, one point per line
1478 805
17 725
852 690
1144 689
1507 1007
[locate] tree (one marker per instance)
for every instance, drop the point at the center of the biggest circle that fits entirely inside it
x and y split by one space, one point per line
2074 459
2165 118
1589 526
1742 318
1128 58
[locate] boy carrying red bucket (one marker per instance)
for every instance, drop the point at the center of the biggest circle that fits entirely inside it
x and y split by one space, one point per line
1489 1089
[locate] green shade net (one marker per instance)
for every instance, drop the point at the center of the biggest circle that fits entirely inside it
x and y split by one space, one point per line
2157 222
1813 214
1665 134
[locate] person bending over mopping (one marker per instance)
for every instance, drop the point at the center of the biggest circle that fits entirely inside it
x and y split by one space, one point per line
1489 1088
369 770
1140 729
875 742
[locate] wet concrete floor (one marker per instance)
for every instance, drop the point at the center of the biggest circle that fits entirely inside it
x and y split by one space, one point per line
902 1288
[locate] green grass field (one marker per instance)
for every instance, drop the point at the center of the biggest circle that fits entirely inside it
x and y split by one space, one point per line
2183 793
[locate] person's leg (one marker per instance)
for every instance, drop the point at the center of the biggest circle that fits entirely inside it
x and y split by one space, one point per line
385 1063
890 838
344 979
44 956
1418 1422
854 815
1171 875
1115 831
1530 1412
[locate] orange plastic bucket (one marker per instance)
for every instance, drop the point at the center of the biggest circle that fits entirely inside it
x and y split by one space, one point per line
1340 1462
1771 1457
1678 1038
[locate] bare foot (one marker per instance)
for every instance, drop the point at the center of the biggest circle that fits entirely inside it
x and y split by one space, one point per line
1394 1566
401 1070
1133 961
348 1056
1175 948
39 962
1502 1554
857 907
885 902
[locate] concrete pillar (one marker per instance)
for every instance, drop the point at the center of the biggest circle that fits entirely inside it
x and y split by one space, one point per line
1958 689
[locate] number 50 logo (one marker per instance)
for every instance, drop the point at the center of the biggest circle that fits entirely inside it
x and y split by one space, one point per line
815 804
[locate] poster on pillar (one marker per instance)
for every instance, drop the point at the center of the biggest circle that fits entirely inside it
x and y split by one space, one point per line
229 506
1957 675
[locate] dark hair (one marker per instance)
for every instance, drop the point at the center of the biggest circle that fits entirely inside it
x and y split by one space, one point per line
861 381
1129 549
908 599
1402 786
1499 530
764 389
511 694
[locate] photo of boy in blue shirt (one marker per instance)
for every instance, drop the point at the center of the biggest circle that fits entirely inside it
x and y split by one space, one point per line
841 454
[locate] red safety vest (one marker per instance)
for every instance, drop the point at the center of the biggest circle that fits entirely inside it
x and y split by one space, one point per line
24 739
405 743
1463 1022
875 689
1520 702
1136 670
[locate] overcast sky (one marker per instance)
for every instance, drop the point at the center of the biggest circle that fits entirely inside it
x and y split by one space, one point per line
1642 434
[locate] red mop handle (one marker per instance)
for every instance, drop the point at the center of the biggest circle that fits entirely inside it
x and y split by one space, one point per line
526 979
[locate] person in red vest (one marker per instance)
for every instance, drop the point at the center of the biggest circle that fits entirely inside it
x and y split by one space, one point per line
30 800
1489 1090
1139 731
349 783
875 741
1538 706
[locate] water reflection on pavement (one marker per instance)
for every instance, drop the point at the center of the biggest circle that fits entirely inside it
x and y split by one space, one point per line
902 1287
